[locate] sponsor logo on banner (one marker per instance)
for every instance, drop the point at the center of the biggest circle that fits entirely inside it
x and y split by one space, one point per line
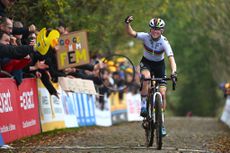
18 109
9 114
28 107
7 128
226 113
5 102
26 100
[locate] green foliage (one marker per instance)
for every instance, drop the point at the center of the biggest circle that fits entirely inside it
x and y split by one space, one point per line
43 13
197 31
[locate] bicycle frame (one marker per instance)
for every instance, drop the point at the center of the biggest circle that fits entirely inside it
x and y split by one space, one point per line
153 122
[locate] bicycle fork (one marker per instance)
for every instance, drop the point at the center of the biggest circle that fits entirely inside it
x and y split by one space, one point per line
152 115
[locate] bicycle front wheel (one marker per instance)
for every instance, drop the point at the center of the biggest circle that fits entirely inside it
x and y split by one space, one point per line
149 131
158 114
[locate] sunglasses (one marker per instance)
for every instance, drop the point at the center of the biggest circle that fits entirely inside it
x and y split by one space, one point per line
156 28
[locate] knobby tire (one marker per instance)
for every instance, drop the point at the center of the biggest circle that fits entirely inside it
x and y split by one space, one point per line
158 114
150 128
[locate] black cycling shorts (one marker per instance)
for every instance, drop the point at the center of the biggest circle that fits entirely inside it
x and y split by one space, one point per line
157 69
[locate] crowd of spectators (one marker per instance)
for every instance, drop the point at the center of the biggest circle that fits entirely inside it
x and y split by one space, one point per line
14 55
19 58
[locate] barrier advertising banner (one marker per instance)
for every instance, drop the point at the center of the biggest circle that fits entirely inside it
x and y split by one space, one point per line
118 107
18 109
51 111
70 108
103 111
28 107
85 109
226 113
9 121
133 106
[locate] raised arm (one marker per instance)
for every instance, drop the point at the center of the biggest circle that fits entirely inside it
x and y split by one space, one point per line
128 27
172 64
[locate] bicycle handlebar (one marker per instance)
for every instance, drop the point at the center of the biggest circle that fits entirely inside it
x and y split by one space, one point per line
174 80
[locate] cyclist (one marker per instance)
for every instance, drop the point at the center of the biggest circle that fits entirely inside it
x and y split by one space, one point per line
152 63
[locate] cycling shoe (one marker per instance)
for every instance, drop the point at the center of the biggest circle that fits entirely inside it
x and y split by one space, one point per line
144 112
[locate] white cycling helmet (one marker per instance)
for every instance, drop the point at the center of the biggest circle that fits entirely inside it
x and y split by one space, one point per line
157 23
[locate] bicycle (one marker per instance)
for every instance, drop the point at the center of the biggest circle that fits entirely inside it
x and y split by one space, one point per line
153 122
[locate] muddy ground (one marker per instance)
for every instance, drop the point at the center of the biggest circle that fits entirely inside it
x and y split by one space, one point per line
184 135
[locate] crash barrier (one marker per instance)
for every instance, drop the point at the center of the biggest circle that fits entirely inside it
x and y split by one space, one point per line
21 116
83 109
18 109
225 117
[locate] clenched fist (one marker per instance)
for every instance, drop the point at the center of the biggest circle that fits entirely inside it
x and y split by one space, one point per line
128 19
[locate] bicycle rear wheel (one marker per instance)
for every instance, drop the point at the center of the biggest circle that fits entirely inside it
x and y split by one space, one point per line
158 114
149 130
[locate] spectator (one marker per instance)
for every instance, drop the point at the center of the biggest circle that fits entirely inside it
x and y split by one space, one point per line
14 52
6 25
38 68
225 86
62 29
86 72
37 61
18 24
13 66
51 60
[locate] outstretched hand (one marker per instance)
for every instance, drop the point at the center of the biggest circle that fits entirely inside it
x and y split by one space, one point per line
128 19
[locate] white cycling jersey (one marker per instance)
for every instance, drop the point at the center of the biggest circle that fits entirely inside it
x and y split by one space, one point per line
154 49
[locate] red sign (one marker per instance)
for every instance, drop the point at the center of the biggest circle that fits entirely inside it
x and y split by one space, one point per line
18 109
28 107
9 122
